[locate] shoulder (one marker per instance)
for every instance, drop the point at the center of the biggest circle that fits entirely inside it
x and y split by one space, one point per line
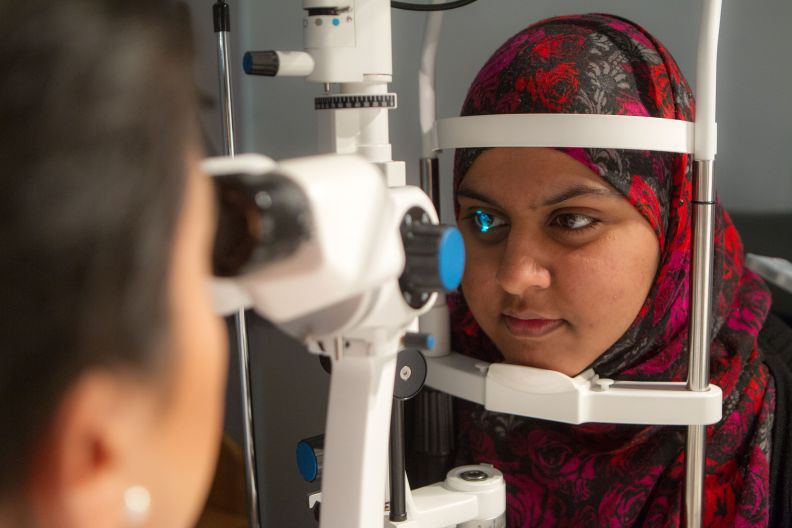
775 343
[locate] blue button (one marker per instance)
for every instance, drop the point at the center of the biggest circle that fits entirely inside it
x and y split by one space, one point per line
336 22
306 461
247 63
451 258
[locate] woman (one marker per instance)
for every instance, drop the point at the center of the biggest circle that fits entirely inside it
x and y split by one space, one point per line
113 363
579 258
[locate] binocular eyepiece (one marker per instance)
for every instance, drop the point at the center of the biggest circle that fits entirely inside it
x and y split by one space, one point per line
262 219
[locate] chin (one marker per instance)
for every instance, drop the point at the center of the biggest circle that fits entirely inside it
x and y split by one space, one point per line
532 357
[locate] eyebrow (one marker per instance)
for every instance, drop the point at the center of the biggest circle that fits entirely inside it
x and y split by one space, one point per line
563 196
579 190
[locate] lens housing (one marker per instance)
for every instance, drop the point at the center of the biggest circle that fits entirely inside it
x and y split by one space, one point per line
262 219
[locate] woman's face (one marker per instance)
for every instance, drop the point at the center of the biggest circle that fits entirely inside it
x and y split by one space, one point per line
558 262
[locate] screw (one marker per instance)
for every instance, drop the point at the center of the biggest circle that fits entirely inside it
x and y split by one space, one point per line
263 199
482 367
405 373
473 475
604 384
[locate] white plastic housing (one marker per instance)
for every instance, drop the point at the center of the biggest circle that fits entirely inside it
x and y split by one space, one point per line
456 501
354 43
566 130
362 131
295 63
551 395
354 246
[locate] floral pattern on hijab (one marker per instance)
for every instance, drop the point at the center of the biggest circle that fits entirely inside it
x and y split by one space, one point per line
617 475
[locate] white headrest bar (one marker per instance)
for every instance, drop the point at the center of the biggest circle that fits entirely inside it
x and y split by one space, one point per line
566 130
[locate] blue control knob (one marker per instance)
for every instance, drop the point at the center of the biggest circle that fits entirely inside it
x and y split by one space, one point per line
310 457
451 258
435 258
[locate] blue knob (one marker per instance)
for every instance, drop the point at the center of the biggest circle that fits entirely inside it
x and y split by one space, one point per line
310 455
435 258
417 340
451 258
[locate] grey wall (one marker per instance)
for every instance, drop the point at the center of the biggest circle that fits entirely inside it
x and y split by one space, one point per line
754 107
276 117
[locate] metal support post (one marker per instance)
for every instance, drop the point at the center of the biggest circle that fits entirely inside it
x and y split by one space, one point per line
700 333
222 26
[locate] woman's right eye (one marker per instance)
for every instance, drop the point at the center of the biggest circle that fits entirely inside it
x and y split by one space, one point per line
485 222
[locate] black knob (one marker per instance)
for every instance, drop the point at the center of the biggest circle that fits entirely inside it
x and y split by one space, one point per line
435 258
266 63
410 374
222 16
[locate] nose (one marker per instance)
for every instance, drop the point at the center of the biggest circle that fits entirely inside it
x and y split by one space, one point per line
520 268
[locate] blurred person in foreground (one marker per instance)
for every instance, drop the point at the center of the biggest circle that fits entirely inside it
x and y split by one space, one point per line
113 363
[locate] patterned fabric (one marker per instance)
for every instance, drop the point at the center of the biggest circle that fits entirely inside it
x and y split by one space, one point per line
616 475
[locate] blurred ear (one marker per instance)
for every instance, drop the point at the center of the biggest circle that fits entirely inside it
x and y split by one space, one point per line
81 469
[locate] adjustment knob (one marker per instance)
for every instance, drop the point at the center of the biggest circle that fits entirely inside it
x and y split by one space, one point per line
310 457
435 258
266 63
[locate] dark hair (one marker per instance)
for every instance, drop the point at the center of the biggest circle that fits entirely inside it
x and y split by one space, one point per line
97 112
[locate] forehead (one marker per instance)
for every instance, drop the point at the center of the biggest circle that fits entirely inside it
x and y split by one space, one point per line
528 174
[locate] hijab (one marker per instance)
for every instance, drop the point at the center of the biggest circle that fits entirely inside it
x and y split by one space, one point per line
626 475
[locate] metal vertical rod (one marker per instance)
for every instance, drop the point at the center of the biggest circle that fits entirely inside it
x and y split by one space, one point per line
695 458
700 333
251 483
398 499
222 27
430 181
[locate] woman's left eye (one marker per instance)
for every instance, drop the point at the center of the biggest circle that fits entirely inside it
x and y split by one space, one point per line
574 222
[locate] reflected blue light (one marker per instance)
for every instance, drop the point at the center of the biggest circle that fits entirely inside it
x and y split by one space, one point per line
483 221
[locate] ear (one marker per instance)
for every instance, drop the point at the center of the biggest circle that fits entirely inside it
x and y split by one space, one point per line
81 469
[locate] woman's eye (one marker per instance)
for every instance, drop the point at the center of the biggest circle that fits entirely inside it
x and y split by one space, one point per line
574 222
485 222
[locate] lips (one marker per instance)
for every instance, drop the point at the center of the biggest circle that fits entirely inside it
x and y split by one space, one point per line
530 325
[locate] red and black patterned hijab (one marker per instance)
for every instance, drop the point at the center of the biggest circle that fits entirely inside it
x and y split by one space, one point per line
617 475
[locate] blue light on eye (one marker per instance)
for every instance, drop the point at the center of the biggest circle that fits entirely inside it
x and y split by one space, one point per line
483 220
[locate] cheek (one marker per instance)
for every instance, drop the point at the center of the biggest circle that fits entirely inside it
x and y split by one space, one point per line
204 358
479 285
478 281
607 282
192 425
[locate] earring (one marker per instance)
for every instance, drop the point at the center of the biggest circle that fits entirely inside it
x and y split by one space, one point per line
137 503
